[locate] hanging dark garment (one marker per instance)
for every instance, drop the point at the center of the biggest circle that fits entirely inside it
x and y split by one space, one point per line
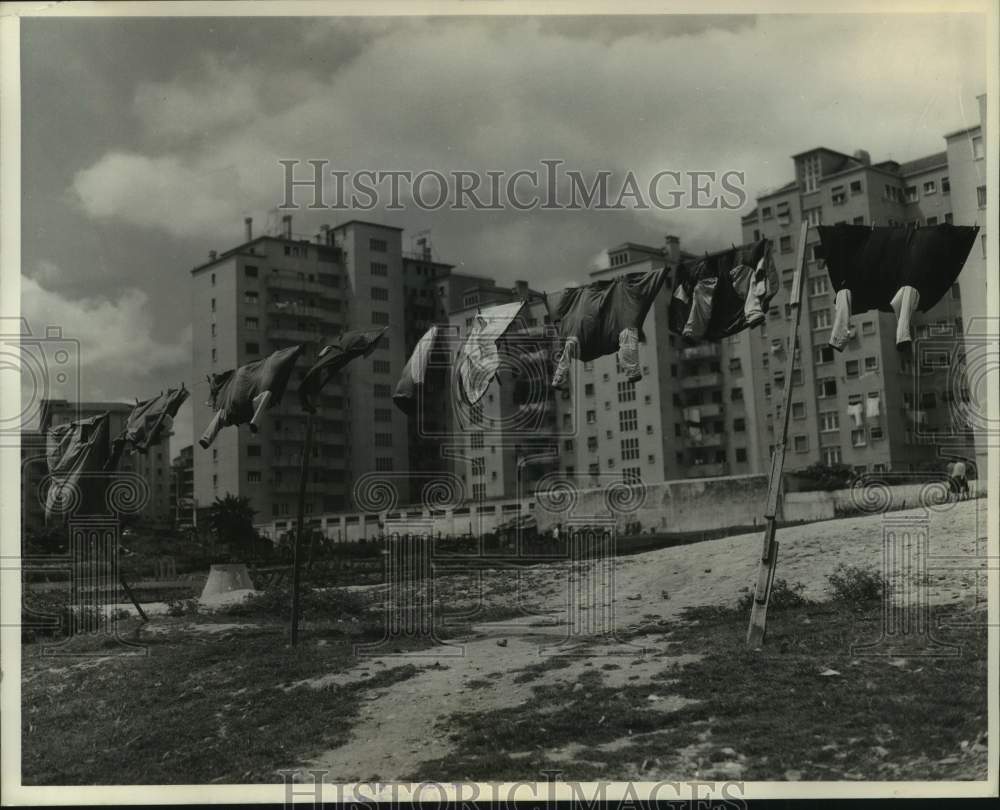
898 269
723 293
145 424
333 357
239 396
411 382
606 317
75 452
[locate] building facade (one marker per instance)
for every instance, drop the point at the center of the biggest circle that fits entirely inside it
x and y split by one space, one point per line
182 503
872 406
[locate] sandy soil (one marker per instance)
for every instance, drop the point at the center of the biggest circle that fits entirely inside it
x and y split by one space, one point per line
399 728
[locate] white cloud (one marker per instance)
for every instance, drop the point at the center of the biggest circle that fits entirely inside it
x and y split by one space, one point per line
119 356
468 94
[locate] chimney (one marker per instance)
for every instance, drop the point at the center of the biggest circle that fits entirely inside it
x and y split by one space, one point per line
248 222
672 250
863 156
327 234
286 223
522 289
212 254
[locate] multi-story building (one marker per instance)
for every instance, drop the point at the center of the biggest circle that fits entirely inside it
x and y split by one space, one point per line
182 504
153 466
966 156
868 407
272 292
502 445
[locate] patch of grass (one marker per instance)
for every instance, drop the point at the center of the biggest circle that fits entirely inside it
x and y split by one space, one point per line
774 708
197 709
535 671
783 597
857 586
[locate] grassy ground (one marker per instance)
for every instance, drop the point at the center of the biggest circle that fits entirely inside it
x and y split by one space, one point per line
200 707
770 715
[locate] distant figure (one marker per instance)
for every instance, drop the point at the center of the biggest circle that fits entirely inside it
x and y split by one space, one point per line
959 482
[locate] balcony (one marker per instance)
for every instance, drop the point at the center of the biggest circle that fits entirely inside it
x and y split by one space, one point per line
294 335
293 310
707 470
713 380
700 352
706 440
703 411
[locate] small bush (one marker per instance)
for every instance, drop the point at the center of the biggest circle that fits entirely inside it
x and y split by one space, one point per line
331 603
783 596
856 585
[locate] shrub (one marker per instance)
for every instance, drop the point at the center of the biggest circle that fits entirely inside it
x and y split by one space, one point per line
331 603
783 596
856 585
825 477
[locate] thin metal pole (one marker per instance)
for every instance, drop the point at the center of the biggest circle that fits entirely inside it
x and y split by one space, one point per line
297 554
769 550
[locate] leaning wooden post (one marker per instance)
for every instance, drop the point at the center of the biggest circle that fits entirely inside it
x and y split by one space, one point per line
297 552
769 551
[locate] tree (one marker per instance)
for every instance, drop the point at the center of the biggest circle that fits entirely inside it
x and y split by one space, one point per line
231 521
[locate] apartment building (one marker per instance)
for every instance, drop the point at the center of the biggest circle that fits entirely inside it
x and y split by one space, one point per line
504 444
153 466
182 502
871 407
275 291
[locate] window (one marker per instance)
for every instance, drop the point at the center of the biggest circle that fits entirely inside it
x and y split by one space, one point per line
382 391
631 476
626 392
214 357
250 297
213 305
858 221
479 466
785 244
250 271
592 444
766 212
383 463
859 437
594 468
868 327
819 285
380 294
800 443
891 193
826 388
831 455
932 221
855 187
588 389
852 368
591 417
977 147
981 196
875 434
871 363
476 441
736 395
380 318
824 354
627 421
838 195
253 476
249 323
810 172
381 366
213 329
741 454
252 348
478 491
946 185
911 194
821 319
735 365
739 425
930 187
630 449
814 216
379 269
378 245
253 450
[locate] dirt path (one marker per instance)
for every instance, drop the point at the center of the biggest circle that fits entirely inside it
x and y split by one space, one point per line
401 727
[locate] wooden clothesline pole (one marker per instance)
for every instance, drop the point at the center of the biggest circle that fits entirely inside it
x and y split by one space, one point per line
299 529
769 550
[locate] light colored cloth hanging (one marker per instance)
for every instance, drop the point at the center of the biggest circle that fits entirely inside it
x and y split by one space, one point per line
628 353
406 393
854 411
841 331
753 309
479 358
904 304
873 407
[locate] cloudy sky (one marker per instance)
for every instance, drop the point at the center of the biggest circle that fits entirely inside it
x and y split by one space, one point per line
146 141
